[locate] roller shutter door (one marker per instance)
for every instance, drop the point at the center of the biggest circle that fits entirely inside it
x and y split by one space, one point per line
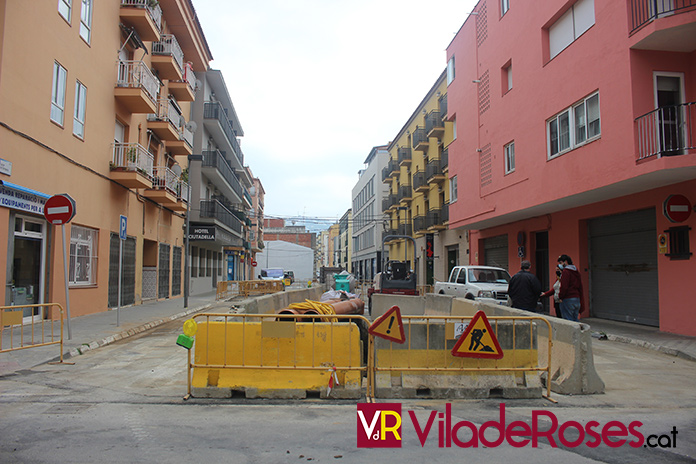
623 268
496 251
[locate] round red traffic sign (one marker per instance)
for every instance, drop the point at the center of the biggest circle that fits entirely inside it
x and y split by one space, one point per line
253 263
677 208
59 209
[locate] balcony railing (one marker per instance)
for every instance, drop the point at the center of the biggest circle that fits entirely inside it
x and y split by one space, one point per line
169 46
153 9
164 178
214 110
132 157
444 159
190 76
433 169
418 137
433 218
419 224
442 102
667 131
188 136
405 192
644 11
419 180
404 155
136 74
405 229
213 209
433 121
167 111
183 190
215 159
444 213
393 167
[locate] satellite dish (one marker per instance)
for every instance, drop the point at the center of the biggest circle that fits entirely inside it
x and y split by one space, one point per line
176 169
199 84
192 126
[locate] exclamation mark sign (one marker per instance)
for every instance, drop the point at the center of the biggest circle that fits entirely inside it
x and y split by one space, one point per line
391 322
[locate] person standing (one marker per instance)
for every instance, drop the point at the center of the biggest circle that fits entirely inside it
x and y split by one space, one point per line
524 289
555 289
570 293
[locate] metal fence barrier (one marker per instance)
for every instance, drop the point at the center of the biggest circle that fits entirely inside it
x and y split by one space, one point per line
16 334
428 346
232 288
262 352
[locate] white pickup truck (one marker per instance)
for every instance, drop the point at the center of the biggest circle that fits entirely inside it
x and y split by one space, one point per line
483 283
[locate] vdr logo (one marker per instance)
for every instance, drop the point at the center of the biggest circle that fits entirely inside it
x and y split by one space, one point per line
379 425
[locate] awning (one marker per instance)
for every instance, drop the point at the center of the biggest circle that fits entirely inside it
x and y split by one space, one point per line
19 188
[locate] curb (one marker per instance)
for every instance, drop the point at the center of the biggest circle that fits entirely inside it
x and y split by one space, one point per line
128 333
651 346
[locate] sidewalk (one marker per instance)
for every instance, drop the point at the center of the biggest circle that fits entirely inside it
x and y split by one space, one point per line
645 336
95 330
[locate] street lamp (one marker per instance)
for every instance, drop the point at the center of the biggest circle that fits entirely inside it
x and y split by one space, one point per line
187 256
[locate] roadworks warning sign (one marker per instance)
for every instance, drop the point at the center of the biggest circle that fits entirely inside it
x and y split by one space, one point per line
478 340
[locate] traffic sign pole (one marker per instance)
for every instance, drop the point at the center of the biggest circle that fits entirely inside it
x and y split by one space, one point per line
122 235
67 294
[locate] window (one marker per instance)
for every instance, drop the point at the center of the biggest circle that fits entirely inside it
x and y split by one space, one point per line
80 107
58 93
83 256
454 129
679 243
507 77
209 269
578 19
509 157
453 189
574 126
450 71
86 20
504 7
65 9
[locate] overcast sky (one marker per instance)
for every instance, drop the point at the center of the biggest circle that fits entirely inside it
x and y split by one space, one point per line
317 83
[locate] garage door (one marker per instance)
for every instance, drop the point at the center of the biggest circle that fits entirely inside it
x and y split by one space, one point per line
496 251
623 268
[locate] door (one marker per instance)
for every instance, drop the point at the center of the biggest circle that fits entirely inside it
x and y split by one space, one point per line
28 263
669 97
623 268
452 259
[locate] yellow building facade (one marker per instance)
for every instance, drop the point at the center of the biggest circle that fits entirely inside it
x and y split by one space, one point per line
95 102
419 191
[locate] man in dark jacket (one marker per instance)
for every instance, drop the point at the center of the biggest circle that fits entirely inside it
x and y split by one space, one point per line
571 293
524 289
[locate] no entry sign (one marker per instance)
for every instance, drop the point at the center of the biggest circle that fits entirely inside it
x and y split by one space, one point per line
59 209
677 208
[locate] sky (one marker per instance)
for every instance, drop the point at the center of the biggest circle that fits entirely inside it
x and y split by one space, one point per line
317 83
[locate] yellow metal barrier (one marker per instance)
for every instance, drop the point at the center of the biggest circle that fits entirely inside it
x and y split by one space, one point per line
262 353
15 334
428 349
227 289
260 287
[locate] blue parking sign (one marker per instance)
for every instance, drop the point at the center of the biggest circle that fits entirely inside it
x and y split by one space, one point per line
123 226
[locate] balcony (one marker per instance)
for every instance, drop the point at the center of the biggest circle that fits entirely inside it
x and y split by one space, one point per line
405 193
184 89
183 146
166 188
216 168
667 131
213 209
444 160
405 229
137 88
167 58
433 220
645 11
144 18
434 126
419 183
404 156
419 225
393 168
216 122
167 123
419 140
132 165
442 103
433 171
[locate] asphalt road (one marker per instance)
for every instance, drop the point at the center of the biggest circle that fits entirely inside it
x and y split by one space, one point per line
123 403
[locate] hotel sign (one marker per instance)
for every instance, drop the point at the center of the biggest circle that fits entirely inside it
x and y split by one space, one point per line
202 233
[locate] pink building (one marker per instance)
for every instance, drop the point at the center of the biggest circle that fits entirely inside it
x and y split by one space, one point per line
575 124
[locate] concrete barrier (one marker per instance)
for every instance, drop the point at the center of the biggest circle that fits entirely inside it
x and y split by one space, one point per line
269 304
573 371
572 362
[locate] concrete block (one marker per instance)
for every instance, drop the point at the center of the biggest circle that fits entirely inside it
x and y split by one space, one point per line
211 392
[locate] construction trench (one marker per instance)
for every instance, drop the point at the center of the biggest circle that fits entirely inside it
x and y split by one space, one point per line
290 345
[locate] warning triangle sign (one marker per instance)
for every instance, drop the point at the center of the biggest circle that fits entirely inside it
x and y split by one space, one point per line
389 326
478 340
